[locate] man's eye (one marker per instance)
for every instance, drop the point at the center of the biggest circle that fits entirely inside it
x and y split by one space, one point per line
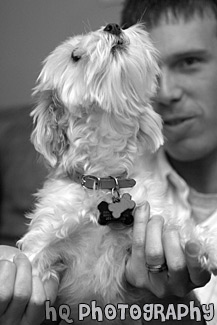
189 62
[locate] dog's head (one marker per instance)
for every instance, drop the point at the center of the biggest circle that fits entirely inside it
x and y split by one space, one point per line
93 99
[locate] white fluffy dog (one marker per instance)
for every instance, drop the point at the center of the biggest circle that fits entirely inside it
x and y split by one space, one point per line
95 126
94 122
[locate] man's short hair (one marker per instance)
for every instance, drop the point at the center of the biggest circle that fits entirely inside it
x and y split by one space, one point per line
151 11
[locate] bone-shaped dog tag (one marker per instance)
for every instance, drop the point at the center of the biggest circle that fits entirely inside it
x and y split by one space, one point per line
127 217
123 204
120 211
105 216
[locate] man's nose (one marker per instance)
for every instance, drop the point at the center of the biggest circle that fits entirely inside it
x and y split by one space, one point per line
169 91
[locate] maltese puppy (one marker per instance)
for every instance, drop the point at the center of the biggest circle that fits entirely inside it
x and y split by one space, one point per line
95 126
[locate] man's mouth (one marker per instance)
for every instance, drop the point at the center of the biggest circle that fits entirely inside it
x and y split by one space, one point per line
176 121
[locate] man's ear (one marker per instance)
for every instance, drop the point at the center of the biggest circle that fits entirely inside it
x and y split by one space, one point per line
50 132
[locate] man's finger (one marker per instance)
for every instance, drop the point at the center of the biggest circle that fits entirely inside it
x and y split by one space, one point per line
154 251
35 310
198 275
7 280
22 287
154 254
141 218
177 269
135 268
8 252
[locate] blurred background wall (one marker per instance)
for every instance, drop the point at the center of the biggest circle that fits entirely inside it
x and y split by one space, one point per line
30 29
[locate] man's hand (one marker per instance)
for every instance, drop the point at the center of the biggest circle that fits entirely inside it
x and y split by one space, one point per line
155 245
22 295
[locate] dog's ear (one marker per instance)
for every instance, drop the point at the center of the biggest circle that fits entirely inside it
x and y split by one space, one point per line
150 130
49 135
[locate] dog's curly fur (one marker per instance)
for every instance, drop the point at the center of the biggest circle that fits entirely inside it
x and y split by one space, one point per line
93 116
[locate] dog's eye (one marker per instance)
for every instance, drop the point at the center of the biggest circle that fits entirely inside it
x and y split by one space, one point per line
120 42
75 57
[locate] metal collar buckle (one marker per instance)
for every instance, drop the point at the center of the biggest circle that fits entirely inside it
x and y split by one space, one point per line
96 180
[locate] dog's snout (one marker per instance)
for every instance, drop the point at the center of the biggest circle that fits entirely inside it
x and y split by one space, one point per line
113 29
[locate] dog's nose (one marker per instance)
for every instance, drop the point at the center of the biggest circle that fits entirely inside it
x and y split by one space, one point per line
113 29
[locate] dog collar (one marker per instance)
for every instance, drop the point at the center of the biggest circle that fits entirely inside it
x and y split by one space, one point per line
103 183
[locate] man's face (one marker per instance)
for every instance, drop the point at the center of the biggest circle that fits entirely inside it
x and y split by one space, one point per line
187 97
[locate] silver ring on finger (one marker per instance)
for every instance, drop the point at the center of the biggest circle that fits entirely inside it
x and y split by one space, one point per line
156 268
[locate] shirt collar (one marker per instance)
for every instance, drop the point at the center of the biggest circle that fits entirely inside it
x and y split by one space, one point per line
167 173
